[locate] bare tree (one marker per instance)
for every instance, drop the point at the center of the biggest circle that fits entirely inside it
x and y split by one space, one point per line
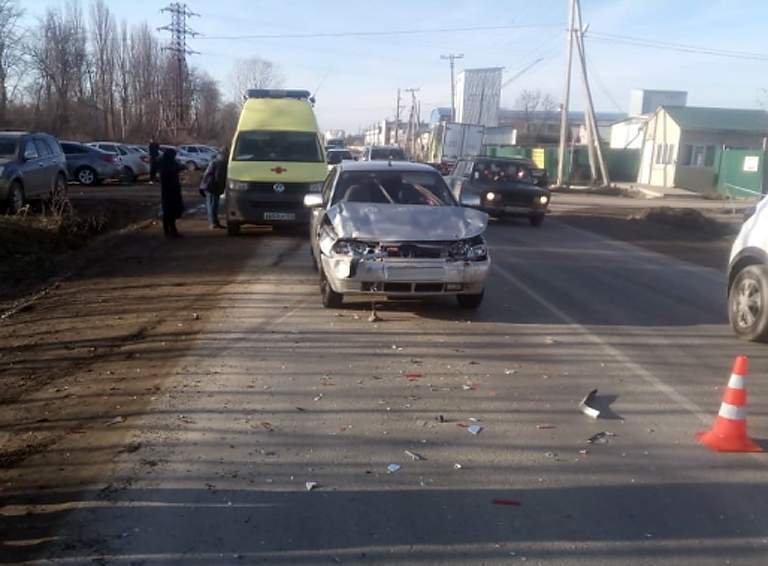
10 53
103 33
58 54
253 73
538 108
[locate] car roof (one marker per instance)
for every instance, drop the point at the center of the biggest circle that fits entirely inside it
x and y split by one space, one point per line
384 165
14 133
523 160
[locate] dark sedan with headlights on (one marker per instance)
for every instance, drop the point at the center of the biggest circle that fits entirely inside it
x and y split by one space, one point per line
500 187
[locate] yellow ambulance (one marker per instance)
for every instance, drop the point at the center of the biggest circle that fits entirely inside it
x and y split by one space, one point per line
276 158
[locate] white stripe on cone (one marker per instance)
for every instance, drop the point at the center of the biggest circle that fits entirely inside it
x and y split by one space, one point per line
736 381
732 412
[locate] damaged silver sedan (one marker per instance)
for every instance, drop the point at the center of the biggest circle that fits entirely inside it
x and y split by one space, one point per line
394 229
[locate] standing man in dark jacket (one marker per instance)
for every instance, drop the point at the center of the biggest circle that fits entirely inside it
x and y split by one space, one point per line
154 156
213 184
170 192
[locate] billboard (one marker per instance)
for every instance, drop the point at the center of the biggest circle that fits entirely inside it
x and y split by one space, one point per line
478 95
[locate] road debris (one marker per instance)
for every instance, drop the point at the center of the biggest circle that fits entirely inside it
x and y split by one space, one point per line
320 396
457 466
440 419
392 468
510 371
586 402
116 420
266 425
601 437
414 455
545 426
510 502
310 485
413 376
475 429
300 409
467 387
195 316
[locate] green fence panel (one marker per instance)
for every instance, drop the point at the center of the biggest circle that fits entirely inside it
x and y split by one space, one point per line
740 172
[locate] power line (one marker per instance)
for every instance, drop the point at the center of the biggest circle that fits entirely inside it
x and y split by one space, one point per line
665 45
377 32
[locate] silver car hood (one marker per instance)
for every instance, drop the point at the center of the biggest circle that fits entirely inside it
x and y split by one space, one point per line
412 223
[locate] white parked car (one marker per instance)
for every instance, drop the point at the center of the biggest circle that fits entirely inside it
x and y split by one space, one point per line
132 162
748 277
395 229
195 156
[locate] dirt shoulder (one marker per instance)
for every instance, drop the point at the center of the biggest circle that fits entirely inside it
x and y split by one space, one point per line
695 236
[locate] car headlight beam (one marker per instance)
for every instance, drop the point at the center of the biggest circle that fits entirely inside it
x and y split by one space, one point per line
544 199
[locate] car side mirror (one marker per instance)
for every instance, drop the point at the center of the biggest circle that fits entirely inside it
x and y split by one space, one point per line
313 200
29 155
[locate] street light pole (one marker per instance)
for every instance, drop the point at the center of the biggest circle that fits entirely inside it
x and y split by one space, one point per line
451 58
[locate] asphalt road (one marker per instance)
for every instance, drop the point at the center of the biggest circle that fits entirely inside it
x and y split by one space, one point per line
274 391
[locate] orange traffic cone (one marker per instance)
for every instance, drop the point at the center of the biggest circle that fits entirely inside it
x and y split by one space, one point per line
729 434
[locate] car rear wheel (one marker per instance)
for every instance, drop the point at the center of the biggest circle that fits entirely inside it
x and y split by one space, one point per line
15 197
470 301
537 220
233 229
191 166
331 299
127 175
86 176
748 303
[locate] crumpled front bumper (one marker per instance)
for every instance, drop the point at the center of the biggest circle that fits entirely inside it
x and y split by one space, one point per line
405 277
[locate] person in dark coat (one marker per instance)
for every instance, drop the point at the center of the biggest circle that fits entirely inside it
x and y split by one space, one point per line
154 156
170 192
212 185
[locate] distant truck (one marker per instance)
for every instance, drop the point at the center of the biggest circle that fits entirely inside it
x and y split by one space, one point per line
450 142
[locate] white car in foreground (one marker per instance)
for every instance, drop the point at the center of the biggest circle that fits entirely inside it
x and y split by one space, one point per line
748 277
394 229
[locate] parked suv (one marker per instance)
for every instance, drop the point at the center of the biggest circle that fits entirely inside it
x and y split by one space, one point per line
89 165
32 166
748 278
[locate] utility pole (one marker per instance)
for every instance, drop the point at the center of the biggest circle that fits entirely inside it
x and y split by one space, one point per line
412 118
179 31
397 118
566 98
451 58
594 134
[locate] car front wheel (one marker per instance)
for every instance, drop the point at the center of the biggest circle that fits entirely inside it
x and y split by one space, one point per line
331 299
15 197
470 301
86 176
747 303
537 220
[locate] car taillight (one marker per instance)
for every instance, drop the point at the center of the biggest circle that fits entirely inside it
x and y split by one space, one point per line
145 158
108 158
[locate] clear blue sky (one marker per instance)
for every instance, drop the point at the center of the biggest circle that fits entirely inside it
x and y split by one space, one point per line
359 76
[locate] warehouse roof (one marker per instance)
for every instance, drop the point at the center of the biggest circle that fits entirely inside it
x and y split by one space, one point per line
729 119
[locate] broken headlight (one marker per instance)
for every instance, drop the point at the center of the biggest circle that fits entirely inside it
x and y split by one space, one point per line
472 249
351 248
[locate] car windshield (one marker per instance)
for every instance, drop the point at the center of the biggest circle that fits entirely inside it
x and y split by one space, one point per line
8 147
336 157
387 153
393 187
500 171
278 146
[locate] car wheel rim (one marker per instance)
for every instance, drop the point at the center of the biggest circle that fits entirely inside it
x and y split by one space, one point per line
749 304
86 177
